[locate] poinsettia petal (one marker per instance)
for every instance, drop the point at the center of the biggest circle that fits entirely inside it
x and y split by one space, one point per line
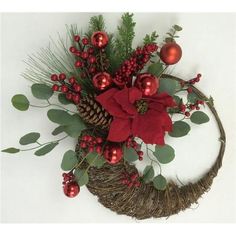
134 94
122 98
110 105
120 130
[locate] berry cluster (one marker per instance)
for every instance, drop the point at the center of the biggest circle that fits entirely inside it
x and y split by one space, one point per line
68 178
132 143
191 81
69 86
186 109
91 144
131 180
85 56
134 64
70 186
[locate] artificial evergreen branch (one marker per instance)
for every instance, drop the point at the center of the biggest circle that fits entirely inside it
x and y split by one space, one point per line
124 39
96 23
150 38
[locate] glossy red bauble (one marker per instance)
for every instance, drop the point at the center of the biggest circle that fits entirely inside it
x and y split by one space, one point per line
102 80
171 53
71 189
99 39
147 83
113 154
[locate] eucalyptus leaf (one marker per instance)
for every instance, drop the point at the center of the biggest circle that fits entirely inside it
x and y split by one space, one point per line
60 117
46 149
199 117
95 159
155 68
177 27
192 97
20 102
69 160
130 154
169 86
11 150
29 138
58 130
81 177
41 91
148 174
180 129
164 154
159 182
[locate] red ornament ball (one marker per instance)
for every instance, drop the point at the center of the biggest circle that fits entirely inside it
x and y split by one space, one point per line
102 80
113 154
71 189
171 53
147 83
99 39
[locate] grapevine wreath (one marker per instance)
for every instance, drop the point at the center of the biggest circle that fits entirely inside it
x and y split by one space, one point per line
125 102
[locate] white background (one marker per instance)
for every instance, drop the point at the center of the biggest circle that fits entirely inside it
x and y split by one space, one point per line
31 187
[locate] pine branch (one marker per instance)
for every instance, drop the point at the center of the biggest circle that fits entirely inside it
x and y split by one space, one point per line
150 38
123 42
96 23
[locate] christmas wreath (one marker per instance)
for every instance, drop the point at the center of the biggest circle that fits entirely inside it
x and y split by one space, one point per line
125 102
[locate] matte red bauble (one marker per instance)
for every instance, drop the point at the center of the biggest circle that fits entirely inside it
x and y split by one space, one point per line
113 154
71 189
102 80
99 39
170 53
147 83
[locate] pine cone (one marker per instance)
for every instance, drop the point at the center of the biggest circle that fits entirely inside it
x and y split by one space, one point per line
93 113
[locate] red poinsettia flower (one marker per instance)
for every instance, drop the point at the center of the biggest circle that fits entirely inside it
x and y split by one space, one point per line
135 115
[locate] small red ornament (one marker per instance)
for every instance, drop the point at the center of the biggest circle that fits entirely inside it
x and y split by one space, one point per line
71 189
170 53
113 154
147 83
55 87
99 39
102 80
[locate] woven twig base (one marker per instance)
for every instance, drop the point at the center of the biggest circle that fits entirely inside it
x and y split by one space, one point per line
145 201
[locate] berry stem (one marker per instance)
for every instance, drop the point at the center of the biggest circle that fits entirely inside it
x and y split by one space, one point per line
152 160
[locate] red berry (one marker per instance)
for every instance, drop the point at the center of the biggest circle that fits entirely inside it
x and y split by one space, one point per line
91 149
85 41
197 79
64 88
78 53
54 77
197 108
92 69
77 87
140 158
140 153
99 149
76 98
69 96
134 177
55 87
84 55
92 59
73 49
89 138
192 107
199 75
190 90
72 80
83 145
182 107
78 64
90 50
201 102
187 114
137 184
77 38
62 76
99 140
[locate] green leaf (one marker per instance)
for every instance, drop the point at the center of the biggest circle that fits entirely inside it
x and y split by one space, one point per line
199 117
75 127
169 86
20 102
148 174
29 138
62 99
95 159
69 160
177 27
192 97
169 40
180 129
41 91
58 130
164 154
130 154
46 149
155 69
150 38
81 176
160 182
210 101
60 117
11 150
178 100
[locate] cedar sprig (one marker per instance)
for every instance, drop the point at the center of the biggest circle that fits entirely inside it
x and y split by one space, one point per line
96 23
150 38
